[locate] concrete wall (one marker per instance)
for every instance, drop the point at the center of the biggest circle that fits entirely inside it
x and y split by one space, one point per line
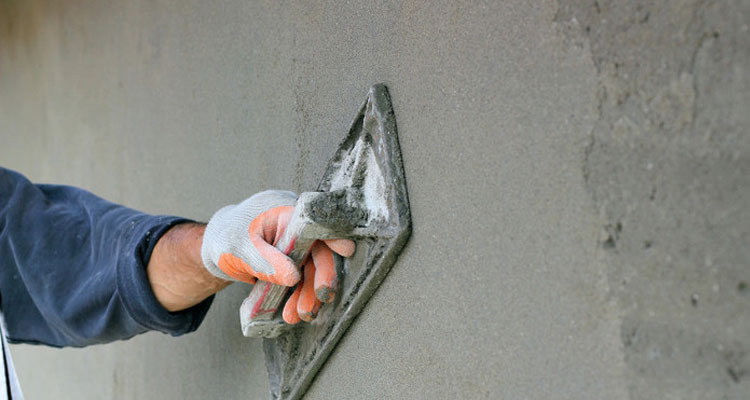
578 174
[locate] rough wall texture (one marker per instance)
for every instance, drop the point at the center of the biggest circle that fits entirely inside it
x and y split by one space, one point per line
668 166
577 173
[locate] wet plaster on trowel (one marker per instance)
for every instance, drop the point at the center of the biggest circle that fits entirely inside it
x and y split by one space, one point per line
667 168
337 211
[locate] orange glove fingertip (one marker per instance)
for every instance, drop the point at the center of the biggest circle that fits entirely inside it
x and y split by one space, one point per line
308 304
326 280
290 314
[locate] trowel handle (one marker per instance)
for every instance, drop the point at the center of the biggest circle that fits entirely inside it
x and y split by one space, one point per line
265 297
293 241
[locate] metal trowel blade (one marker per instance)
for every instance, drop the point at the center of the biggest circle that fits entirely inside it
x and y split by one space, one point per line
368 161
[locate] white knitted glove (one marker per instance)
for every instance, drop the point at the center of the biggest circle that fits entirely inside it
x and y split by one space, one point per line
238 242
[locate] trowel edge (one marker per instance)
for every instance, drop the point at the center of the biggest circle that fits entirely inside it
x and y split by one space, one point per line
291 380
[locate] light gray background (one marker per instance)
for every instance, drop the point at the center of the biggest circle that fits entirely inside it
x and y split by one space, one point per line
578 174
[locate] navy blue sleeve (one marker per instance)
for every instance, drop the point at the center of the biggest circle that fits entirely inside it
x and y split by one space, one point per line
73 267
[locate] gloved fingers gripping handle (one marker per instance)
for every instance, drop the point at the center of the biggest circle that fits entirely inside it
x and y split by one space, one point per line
290 314
308 304
228 251
326 280
342 247
264 231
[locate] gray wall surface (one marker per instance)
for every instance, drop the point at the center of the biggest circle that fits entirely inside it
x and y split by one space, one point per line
579 175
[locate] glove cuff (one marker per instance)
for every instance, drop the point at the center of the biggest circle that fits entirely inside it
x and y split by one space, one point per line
207 247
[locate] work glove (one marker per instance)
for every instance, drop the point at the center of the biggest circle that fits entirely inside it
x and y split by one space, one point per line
238 244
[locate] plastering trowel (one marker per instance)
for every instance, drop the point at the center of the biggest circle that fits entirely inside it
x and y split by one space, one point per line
362 196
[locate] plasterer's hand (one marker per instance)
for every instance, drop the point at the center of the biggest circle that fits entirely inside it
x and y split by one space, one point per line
239 245
319 281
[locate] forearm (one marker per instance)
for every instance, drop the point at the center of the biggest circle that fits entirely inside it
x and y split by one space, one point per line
176 272
74 267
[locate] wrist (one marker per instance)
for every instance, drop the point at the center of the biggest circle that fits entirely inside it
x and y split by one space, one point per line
176 272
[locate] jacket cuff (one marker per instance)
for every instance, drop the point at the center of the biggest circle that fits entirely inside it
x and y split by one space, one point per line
133 286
